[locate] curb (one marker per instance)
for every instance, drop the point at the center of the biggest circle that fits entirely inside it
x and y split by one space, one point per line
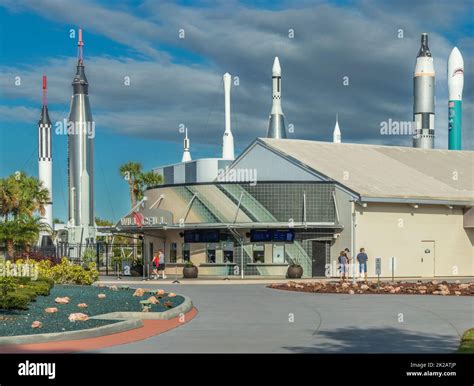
72 335
184 307
130 321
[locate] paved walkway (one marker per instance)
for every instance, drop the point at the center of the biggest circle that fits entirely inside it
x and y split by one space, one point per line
255 319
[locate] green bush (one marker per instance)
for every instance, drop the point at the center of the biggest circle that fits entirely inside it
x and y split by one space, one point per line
14 300
68 273
23 280
7 284
40 287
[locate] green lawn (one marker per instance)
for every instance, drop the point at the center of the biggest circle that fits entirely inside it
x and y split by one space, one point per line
467 342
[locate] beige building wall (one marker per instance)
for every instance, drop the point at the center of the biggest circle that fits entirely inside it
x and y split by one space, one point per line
406 233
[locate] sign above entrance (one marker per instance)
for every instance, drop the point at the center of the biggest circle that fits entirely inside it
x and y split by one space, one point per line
147 217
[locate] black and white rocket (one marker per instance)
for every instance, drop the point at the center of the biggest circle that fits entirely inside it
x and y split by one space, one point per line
424 100
276 124
81 132
186 144
45 163
227 139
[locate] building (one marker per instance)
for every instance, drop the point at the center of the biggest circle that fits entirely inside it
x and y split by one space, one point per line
295 200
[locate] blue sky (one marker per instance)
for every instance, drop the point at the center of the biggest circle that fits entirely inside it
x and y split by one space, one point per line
177 81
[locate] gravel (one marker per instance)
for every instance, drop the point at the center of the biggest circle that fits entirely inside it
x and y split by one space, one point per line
16 322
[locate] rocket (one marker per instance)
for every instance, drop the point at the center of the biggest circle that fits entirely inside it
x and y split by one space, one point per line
276 124
45 163
81 132
186 154
228 139
336 135
455 86
423 102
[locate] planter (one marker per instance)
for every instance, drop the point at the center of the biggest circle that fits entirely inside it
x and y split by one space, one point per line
190 272
294 272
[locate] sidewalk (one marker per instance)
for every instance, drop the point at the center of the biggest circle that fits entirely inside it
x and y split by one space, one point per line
128 280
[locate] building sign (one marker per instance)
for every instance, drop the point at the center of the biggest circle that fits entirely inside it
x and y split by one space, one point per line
147 217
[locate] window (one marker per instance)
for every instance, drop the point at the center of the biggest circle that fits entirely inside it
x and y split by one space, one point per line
173 252
278 253
211 253
258 253
228 249
186 252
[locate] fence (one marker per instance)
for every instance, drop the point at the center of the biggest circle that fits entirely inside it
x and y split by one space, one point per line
111 259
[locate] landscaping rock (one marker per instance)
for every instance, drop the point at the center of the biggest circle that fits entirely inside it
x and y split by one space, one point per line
296 286
82 305
36 324
139 292
345 285
50 310
146 309
78 316
351 292
113 288
168 304
63 300
457 293
101 296
171 295
153 300
364 287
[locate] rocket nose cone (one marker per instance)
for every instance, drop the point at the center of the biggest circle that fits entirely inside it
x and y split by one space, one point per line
276 69
455 58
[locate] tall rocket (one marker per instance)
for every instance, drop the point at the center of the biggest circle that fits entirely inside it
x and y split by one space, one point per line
81 132
455 86
228 139
45 163
186 154
423 103
276 124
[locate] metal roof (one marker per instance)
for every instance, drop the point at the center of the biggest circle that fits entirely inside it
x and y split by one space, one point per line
385 171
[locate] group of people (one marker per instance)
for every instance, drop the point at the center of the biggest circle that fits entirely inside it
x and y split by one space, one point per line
345 261
158 263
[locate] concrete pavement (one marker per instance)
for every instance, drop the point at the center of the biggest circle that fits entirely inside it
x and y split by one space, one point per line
254 319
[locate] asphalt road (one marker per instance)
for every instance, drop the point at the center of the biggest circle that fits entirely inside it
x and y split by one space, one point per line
255 319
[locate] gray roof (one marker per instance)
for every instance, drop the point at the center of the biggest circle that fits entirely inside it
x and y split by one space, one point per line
376 171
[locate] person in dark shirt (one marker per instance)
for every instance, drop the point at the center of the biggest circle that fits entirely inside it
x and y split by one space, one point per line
362 260
342 259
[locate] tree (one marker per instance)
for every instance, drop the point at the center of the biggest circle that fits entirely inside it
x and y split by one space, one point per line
21 196
138 180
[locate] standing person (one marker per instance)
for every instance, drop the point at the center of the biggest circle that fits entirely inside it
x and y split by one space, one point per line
161 265
342 259
155 263
362 259
349 261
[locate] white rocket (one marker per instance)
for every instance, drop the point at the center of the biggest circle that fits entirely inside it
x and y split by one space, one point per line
336 135
186 154
45 163
228 139
276 124
455 88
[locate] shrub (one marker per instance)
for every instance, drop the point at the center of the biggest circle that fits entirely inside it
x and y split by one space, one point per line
14 300
23 280
7 284
40 287
68 273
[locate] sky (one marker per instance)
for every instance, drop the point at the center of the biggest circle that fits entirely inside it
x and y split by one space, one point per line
351 58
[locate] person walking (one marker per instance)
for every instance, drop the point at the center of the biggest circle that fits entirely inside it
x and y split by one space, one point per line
349 262
362 260
161 264
155 263
342 259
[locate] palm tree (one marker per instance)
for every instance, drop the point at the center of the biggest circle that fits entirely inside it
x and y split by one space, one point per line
138 180
20 197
